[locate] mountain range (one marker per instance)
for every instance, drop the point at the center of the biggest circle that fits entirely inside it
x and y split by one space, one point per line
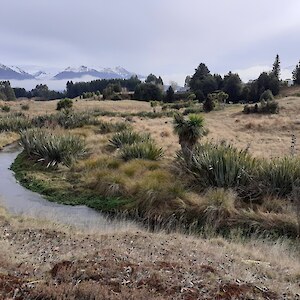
70 73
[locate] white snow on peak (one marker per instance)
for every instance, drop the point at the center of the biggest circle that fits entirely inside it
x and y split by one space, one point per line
4 67
18 70
81 69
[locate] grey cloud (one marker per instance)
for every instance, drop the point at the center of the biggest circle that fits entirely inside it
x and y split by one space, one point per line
163 37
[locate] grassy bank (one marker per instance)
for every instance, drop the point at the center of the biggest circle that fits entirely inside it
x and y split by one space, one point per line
58 186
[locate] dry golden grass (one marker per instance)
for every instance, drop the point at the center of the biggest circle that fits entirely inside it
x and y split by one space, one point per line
8 138
61 263
267 135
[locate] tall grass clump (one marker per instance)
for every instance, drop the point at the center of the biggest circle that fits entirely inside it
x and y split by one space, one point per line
14 123
127 137
142 150
65 120
221 165
107 127
52 148
279 175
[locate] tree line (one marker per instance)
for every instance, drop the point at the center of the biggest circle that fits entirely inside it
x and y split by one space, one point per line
198 86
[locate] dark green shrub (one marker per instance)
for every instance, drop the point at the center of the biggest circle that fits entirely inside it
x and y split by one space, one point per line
5 108
265 107
65 104
25 107
51 148
142 150
267 96
192 110
116 97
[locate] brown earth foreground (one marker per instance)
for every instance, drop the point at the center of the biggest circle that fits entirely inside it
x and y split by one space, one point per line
39 262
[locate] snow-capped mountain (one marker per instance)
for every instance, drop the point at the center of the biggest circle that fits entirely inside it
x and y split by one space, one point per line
70 73
13 72
98 72
41 75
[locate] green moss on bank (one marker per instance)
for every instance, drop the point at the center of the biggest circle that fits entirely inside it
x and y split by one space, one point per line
49 183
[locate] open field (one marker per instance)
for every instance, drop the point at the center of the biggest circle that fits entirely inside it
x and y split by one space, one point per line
266 136
45 261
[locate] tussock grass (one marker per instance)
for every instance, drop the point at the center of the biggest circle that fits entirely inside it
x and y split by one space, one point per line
65 120
158 193
221 165
109 127
51 148
280 174
12 122
127 137
142 150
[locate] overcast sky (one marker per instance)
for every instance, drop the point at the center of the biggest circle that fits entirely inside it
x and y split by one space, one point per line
166 37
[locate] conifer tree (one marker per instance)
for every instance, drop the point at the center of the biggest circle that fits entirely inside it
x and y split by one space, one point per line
276 67
296 74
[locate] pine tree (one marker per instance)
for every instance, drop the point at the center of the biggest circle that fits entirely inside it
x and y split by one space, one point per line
169 95
7 91
296 74
276 67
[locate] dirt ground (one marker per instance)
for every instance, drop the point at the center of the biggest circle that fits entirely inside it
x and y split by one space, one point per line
41 260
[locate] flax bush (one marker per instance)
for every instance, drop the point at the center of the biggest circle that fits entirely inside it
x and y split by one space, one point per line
142 150
221 165
127 137
52 148
67 121
279 175
14 123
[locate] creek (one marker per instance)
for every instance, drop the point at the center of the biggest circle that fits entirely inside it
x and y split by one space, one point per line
18 200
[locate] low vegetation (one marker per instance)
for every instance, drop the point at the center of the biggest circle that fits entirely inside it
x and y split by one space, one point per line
132 168
265 107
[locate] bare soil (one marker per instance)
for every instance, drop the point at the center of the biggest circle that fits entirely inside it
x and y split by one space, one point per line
45 261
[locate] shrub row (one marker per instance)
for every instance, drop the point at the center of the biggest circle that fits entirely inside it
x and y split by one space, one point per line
224 166
265 107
